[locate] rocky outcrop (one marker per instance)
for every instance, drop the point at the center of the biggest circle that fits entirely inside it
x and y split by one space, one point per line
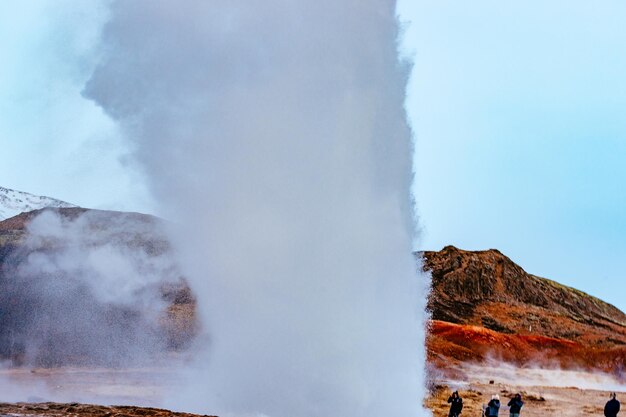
462 280
527 318
86 410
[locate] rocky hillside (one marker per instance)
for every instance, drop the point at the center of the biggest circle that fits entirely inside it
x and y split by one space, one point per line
82 286
484 305
89 287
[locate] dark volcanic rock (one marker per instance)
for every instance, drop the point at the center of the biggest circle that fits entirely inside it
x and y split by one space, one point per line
86 410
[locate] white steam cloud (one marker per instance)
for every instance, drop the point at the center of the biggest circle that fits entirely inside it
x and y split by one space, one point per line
506 373
275 138
87 288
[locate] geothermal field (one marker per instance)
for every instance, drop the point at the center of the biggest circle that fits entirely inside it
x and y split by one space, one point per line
274 141
240 196
137 340
544 391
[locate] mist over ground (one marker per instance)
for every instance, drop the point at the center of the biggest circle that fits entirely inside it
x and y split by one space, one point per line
86 288
274 136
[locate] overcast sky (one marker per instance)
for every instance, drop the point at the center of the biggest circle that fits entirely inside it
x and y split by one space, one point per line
517 109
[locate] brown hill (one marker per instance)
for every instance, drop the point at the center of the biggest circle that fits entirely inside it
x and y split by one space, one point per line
85 287
484 305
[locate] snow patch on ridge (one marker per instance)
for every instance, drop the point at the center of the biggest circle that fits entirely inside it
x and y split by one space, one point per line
14 202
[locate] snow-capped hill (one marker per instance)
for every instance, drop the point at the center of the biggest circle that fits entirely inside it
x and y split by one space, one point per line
14 202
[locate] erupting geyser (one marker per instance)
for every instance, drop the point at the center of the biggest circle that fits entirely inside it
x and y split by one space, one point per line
274 137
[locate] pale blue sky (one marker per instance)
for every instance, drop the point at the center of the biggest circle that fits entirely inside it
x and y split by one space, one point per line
517 109
55 142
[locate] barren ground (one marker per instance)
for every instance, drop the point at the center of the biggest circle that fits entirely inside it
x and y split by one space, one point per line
83 410
138 386
546 392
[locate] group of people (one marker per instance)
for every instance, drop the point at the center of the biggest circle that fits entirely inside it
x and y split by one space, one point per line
492 409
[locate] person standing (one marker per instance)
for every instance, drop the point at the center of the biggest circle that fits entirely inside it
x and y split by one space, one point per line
612 407
515 405
456 404
493 407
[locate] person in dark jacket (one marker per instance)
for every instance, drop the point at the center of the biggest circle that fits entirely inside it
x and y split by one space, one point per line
515 405
612 407
493 407
456 404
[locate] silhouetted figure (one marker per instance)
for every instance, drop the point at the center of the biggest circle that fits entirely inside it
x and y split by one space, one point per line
516 405
612 407
456 404
493 407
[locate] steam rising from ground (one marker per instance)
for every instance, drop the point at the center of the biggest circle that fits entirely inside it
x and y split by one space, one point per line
274 136
86 289
540 376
